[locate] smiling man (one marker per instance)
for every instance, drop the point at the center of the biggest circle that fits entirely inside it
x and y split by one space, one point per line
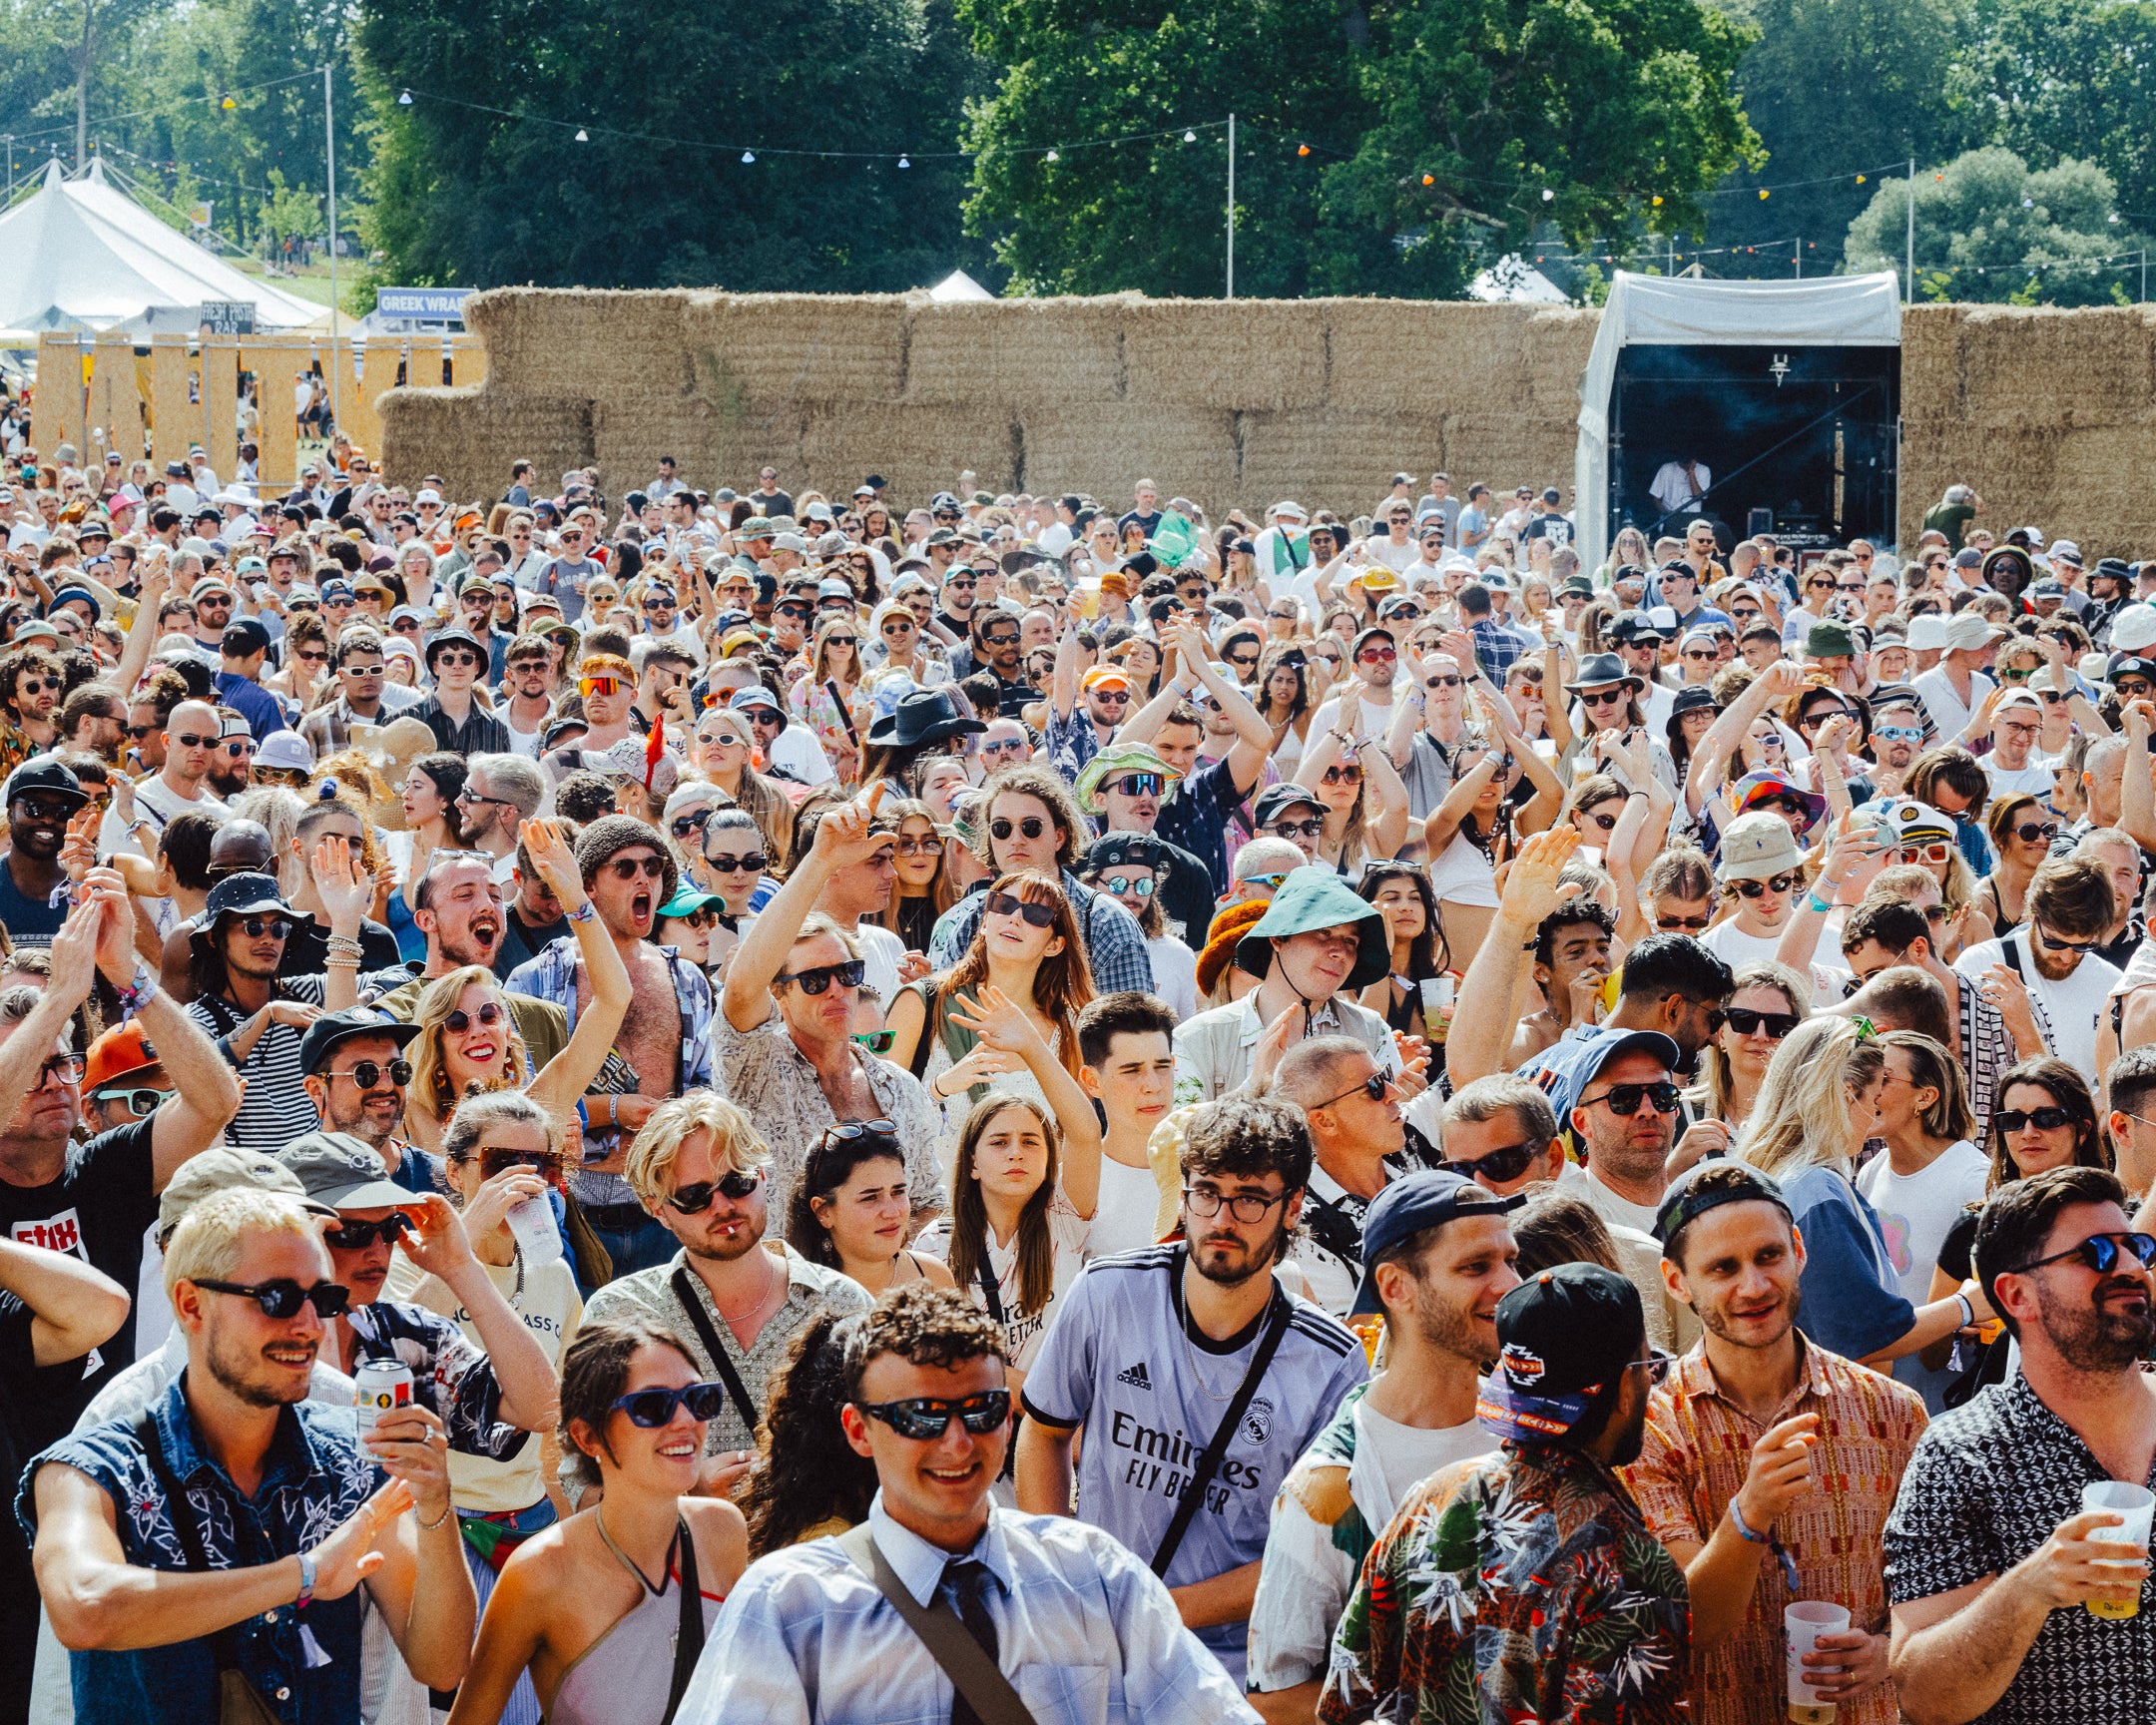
42 796
1197 1378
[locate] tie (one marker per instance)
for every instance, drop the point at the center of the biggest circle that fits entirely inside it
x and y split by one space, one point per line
968 1580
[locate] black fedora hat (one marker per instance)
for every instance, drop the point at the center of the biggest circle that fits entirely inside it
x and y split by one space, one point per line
925 716
1598 669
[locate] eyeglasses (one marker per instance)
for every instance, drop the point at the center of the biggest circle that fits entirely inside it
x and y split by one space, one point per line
240 745
1009 640
2054 696
186 741
651 1409
1774 884
923 1419
2010 1120
1006 905
1296 828
2032 832
695 1200
493 1161
841 641
1112 696
68 1068
817 978
1032 826
136 1103
1680 924
1606 697
457 1023
629 867
139 732
1009 746
2099 1252
1131 886
597 685
1139 784
468 795
1375 656
368 1073
1657 1365
2059 943
357 1236
1375 1087
1246 1207
1272 881
455 659
755 863
920 847
1443 681
798 613
255 927
1606 823
1818 716
1625 1099
283 1297
1743 1020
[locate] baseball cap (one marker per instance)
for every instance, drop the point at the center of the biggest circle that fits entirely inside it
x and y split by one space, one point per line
121 1050
286 750
1738 1183
330 1028
1577 1061
47 773
1562 1335
1756 846
223 1169
1426 1198
341 1171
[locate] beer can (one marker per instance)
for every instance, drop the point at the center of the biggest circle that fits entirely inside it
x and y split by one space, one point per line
379 1387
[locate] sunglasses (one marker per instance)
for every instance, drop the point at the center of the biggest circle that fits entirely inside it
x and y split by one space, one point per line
695 1200
1774 884
136 1103
459 1022
139 732
1006 905
925 1419
1606 697
1502 1165
2099 1252
238 747
1112 696
1010 640
841 641
597 685
283 1297
368 1073
920 847
358 1236
1297 829
2049 1119
1133 886
819 978
1344 775
1606 823
2053 697
1375 656
753 864
1010 745
1898 733
1657 1366
2055 943
629 867
1375 1087
1625 1099
1442 682
684 824
1140 785
195 742
493 1162
2029 832
651 1409
1680 924
1743 1020
877 1041
798 613
255 927
1032 826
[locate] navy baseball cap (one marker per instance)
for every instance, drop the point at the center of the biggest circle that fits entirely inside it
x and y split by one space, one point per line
1426 1198
1562 1337
1583 1057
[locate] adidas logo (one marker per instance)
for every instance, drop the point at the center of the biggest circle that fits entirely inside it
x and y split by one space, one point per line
1135 1377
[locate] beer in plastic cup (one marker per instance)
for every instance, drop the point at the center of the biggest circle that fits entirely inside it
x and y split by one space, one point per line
2138 1505
1805 1622
532 1221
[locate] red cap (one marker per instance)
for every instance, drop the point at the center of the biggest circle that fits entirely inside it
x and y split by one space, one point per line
118 1052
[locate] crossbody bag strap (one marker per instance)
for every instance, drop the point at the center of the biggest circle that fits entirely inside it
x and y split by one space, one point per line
1215 1452
222 1647
689 1642
722 1361
990 1291
949 1642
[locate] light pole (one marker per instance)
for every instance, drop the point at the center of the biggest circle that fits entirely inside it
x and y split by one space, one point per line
1230 206
328 97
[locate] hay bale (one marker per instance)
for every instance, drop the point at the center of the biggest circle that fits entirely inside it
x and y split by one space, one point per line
816 349
920 450
1419 356
1104 448
470 436
1266 355
1332 459
1014 353
616 346
629 439
2025 364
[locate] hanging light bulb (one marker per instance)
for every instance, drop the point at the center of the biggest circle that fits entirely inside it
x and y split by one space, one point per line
1302 149
1763 194
582 136
1859 179
404 101
1657 201
1429 178
228 104
1052 157
1190 137
903 163
747 157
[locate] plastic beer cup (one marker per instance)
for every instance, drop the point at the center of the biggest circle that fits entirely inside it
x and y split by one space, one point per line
2137 1504
1805 1622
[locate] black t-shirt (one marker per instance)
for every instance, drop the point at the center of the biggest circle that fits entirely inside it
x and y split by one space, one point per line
778 503
520 941
1957 1252
30 922
1554 527
99 1209
24 1392
1147 522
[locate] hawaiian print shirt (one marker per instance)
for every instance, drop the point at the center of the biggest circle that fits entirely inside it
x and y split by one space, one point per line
452 1378
1515 1588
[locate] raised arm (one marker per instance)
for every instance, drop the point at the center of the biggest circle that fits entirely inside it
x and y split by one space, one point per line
842 837
1776 683
1066 669
529 1391
1388 821
2137 807
142 633
1003 1025
566 1077
1483 1018
1556 704
1253 737
73 1306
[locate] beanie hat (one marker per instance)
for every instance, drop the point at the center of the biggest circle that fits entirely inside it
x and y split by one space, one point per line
597 845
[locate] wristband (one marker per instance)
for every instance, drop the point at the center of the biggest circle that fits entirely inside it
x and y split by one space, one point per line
1822 906
138 993
1744 1531
1968 1312
306 1582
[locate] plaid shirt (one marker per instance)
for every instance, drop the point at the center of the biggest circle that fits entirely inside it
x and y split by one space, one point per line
1115 944
552 976
1697 1451
1497 647
1517 1588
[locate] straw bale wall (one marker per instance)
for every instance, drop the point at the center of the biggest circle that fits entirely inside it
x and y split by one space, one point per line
2051 416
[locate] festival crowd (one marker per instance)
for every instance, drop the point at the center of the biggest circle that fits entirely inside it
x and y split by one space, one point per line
790 1106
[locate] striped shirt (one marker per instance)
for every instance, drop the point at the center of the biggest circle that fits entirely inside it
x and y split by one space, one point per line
1698 1448
277 1109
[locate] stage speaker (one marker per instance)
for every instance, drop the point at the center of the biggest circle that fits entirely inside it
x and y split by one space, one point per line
1759 521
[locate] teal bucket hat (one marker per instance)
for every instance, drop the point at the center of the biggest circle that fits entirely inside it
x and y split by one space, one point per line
1308 900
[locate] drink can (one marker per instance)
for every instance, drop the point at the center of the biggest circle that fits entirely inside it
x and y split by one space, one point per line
379 1387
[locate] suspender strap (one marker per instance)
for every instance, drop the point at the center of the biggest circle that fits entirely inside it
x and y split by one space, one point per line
1215 1452
949 1642
722 1361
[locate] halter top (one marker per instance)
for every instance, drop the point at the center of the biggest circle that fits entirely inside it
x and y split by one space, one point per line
625 1676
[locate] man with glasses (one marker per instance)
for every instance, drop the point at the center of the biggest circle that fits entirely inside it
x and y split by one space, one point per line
1448 1603
1760 872
768 499
995 649
42 796
1197 1379
189 735
1127 786
360 669
525 701
501 791
1899 724
457 661
1083 712
2003 1605
2044 978
2017 730
792 750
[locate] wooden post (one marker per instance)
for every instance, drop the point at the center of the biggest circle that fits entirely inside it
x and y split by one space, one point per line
173 417
57 415
115 404
220 435
275 361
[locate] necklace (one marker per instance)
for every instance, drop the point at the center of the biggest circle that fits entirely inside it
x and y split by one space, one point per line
763 1294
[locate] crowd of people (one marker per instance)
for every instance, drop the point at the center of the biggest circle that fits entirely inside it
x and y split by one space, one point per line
802 1106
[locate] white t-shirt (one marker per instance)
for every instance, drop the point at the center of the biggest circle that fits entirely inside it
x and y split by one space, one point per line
2035 779
797 750
1394 558
1914 1213
1374 718
1950 713
1123 1216
1067 1234
1734 947
1408 1454
1175 975
2067 1011
1607 1204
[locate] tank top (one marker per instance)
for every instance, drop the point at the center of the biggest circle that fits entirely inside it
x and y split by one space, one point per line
625 1676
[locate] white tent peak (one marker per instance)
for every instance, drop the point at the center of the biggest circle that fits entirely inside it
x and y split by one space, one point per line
959 288
1512 279
80 253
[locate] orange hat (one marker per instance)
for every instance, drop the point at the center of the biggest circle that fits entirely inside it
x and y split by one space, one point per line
118 1052
1227 929
1116 582
1104 676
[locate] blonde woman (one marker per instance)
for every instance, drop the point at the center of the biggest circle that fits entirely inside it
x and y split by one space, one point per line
725 754
468 1043
824 698
1766 1005
1814 1111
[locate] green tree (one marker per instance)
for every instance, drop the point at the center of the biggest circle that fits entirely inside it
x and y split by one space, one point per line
1990 228
1837 88
480 179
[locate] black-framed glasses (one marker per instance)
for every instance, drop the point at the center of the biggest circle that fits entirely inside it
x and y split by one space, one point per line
1245 1206
2029 832
2100 1253
1375 1087
283 1297
1625 1099
753 864
1743 1020
1296 828
368 1073
923 1419
255 927
1008 904
493 1161
693 821
818 978
1501 1166
651 1409
629 867
1680 924
357 1236
468 795
2059 944
695 1200
1032 826
68 1068
2011 1120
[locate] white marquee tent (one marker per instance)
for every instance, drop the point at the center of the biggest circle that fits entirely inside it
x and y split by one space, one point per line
81 254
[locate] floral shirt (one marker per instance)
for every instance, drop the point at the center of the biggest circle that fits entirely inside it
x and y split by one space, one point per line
1519 1586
